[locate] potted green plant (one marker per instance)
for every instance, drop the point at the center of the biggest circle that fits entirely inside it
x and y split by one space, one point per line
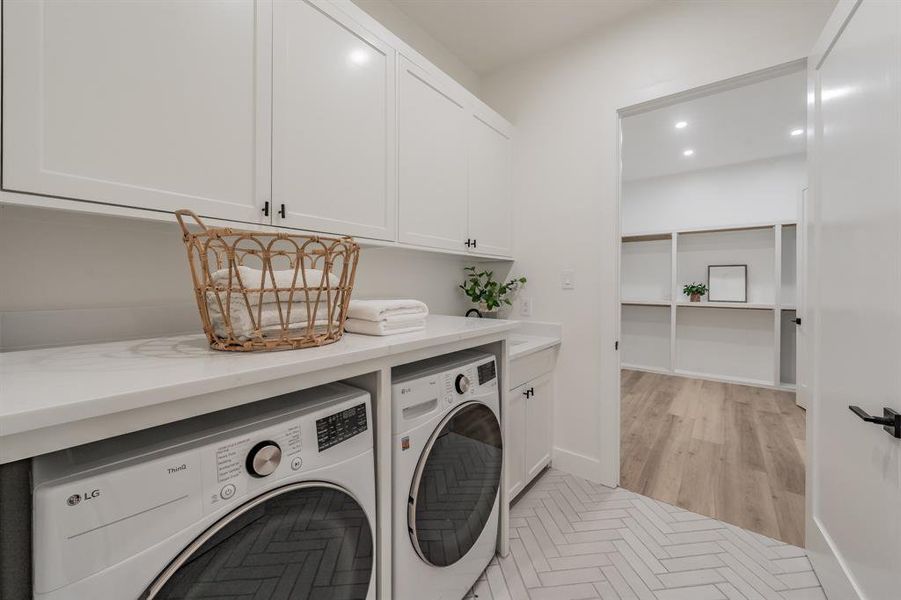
489 295
694 291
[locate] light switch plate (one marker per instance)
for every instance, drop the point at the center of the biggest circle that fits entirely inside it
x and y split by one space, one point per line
568 279
525 307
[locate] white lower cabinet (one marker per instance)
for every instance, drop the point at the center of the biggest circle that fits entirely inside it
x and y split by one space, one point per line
152 104
529 432
515 442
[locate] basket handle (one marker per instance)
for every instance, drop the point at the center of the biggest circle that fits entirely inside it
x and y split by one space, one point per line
184 212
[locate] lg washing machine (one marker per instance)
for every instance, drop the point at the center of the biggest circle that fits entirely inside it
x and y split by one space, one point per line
272 500
448 456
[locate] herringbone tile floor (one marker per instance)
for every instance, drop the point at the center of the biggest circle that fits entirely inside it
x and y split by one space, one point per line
572 539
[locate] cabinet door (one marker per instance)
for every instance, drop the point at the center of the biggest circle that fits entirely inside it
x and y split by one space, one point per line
539 422
333 113
432 143
490 215
515 441
147 103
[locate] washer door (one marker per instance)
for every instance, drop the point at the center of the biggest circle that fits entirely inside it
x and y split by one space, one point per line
305 540
455 484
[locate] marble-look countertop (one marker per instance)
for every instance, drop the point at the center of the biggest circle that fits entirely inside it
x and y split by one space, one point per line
51 387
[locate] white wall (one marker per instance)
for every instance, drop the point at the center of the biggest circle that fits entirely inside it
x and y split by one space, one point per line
393 18
77 278
755 192
564 105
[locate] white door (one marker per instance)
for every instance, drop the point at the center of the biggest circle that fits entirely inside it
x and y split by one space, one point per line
490 210
854 525
432 165
333 114
538 425
148 103
515 441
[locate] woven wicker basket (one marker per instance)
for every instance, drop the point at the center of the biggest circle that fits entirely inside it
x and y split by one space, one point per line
269 291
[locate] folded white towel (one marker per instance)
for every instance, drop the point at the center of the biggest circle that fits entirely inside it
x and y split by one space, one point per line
377 310
283 279
401 324
270 319
292 295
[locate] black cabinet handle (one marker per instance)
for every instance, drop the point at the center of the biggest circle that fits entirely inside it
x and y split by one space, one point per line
890 421
797 320
474 243
281 211
469 243
266 208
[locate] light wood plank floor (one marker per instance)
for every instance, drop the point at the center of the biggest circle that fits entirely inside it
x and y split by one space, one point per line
731 452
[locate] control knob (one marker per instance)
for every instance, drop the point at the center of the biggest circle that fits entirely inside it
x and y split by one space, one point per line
462 384
263 459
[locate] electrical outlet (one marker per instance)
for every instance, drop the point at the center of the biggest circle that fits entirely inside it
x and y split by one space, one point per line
568 279
525 307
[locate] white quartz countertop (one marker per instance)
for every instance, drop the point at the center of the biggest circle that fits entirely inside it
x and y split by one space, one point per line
523 345
50 387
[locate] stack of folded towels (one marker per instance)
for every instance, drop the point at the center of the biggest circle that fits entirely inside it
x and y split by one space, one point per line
385 317
265 312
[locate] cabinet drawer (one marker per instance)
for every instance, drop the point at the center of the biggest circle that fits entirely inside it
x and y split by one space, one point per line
530 366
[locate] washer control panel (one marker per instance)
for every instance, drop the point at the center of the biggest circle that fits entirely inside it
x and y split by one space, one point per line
341 426
248 462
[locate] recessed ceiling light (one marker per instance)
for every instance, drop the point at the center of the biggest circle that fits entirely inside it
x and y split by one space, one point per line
795 132
688 152
681 124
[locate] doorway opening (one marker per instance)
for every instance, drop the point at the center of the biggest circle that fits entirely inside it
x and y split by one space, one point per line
711 195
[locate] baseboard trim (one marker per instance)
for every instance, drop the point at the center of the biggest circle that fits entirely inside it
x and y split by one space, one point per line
828 566
580 465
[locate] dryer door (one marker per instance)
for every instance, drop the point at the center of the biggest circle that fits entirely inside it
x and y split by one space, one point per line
455 484
305 540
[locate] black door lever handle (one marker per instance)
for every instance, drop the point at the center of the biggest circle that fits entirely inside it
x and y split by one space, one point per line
890 421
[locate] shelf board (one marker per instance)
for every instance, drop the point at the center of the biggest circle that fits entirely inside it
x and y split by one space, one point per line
743 305
646 302
651 237
663 235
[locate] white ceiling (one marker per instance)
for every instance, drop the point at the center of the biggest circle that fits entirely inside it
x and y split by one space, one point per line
744 124
488 34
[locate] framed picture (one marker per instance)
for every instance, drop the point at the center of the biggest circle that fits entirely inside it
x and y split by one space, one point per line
727 283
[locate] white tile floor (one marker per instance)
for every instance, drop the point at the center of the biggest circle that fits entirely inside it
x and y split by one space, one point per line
572 539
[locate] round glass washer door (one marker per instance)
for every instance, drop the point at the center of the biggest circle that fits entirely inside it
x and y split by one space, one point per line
455 484
304 540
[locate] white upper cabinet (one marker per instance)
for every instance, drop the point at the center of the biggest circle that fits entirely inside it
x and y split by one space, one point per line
490 210
147 103
432 155
333 136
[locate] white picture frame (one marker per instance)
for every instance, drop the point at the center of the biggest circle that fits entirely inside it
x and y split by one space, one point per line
727 283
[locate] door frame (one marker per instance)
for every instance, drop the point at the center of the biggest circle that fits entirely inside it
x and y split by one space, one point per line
612 448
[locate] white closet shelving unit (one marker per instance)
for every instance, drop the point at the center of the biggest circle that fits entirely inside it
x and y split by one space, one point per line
751 343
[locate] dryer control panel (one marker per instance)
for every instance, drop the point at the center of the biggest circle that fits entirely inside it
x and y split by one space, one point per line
417 396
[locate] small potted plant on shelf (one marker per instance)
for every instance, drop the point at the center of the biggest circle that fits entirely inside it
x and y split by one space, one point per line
694 291
489 295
